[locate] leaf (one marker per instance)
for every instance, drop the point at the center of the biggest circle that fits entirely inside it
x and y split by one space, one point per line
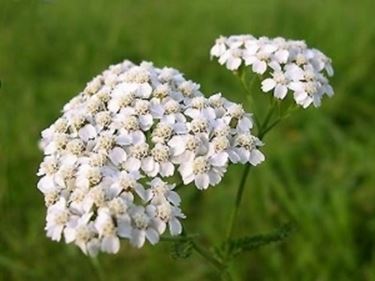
182 249
235 247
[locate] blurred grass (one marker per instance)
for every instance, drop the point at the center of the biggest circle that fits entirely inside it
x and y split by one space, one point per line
320 167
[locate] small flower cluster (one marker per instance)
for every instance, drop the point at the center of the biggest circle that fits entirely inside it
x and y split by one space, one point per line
283 65
107 159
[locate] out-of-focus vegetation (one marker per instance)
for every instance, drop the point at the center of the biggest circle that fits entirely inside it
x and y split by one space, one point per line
319 171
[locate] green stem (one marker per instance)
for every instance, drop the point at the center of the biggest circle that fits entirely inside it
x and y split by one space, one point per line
201 251
267 119
263 129
237 203
98 268
267 127
207 255
250 94
225 275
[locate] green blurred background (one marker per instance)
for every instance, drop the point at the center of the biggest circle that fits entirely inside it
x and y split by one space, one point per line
320 163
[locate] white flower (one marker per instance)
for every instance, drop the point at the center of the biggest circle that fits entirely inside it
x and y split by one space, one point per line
293 67
124 182
204 171
88 176
219 48
279 82
82 232
232 58
259 57
87 132
242 120
108 158
246 150
106 229
166 214
48 169
159 162
186 147
160 191
57 217
137 228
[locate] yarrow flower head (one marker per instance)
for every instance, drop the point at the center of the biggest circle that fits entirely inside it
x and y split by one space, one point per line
109 157
283 65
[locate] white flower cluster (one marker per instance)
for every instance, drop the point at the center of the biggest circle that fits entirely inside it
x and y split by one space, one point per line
283 65
107 159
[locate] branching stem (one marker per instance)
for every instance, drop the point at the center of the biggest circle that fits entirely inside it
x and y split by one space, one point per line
263 129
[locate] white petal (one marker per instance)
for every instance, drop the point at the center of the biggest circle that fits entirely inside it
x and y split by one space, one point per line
175 227
296 86
133 164
127 111
300 97
148 164
202 181
219 159
157 110
87 132
180 128
224 57
217 50
185 169
233 156
233 63
269 48
138 137
124 139
329 90
141 192
56 232
93 247
214 178
294 72
46 184
280 91
69 234
146 121
256 157
144 90
152 236
250 60
174 198
138 238
166 169
82 182
268 84
117 155
124 229
177 144
244 124
188 179
113 105
259 67
329 69
282 56
244 155
307 101
110 244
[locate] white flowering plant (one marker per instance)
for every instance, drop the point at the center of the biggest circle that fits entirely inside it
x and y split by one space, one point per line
137 134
